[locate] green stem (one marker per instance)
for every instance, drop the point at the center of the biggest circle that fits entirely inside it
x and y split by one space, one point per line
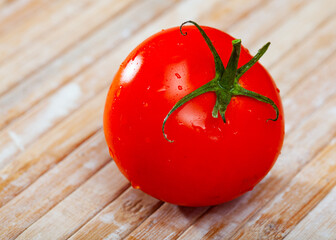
240 91
225 83
255 59
219 66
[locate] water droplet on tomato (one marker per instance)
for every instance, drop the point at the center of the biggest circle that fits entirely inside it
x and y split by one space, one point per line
180 123
162 89
214 138
118 92
177 75
145 104
278 90
179 87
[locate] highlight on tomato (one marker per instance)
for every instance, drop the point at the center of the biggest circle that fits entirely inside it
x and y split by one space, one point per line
191 118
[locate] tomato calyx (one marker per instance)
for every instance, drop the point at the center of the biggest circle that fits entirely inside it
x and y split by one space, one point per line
225 84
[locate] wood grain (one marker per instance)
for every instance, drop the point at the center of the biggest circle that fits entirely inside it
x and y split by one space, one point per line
48 47
320 223
64 178
13 13
120 217
85 202
57 180
49 150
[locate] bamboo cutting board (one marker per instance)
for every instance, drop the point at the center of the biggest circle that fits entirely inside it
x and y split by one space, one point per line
57 180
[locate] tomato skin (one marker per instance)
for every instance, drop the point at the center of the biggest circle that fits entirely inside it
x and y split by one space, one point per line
209 162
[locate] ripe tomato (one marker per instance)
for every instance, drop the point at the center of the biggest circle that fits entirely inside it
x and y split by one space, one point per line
208 161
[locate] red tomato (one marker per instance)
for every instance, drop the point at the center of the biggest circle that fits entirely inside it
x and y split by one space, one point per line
209 161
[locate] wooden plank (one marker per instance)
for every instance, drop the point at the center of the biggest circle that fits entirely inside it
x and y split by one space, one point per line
167 223
320 223
296 27
53 187
14 12
224 14
120 217
50 149
45 19
25 130
308 188
54 108
264 19
51 45
80 206
289 67
311 94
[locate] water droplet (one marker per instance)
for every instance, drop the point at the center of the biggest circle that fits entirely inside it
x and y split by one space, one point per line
148 87
177 75
145 104
214 138
179 87
162 89
118 92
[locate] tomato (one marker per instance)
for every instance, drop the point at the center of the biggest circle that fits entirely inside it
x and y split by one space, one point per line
200 159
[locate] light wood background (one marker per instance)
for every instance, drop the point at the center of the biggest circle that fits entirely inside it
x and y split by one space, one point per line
57 60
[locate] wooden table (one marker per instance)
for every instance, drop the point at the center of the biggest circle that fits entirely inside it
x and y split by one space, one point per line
57 181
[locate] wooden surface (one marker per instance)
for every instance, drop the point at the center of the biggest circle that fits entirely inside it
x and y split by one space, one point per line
57 60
